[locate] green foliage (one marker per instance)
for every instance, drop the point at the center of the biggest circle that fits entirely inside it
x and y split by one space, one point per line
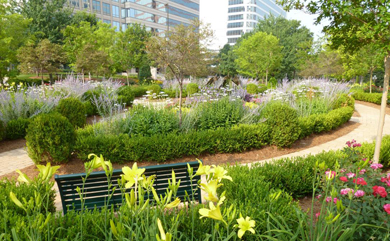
262 88
344 100
375 98
16 129
283 120
90 109
2 131
252 89
50 138
89 96
192 88
226 63
26 81
144 73
74 110
162 147
126 95
154 90
368 149
258 55
139 90
222 113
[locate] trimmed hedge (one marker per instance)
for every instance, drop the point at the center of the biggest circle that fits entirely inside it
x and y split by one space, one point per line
74 110
375 98
16 129
126 95
162 147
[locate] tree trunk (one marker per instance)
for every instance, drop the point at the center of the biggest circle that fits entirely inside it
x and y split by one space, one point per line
42 75
127 76
266 77
383 109
371 70
180 100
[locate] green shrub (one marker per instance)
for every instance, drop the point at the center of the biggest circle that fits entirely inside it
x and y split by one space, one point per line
174 93
90 109
272 81
126 95
139 91
344 100
254 197
252 89
283 121
144 73
222 113
262 88
2 130
375 98
74 110
154 90
50 138
192 88
368 150
26 81
89 96
162 147
16 129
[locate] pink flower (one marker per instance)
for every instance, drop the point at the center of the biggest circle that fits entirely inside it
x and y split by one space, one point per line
317 215
335 200
376 166
388 183
328 199
359 193
388 175
356 145
346 191
342 170
383 179
386 207
351 175
343 179
319 196
362 171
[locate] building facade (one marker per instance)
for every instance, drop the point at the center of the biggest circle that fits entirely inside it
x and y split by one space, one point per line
157 15
243 16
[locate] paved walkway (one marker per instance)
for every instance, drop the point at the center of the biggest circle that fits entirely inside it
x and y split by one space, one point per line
366 132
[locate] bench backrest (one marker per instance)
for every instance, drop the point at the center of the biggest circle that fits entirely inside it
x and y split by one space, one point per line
96 186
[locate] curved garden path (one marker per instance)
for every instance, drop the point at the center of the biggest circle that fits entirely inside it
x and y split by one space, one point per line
11 161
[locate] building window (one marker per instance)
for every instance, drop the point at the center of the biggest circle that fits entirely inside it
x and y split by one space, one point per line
236 17
235 25
74 3
182 13
107 21
138 14
232 40
188 3
234 32
124 27
106 9
86 4
236 9
96 6
115 11
123 14
252 17
116 25
250 24
235 2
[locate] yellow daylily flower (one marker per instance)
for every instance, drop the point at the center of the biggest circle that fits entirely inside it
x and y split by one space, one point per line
220 173
202 170
23 177
16 200
245 225
147 183
47 172
213 212
173 204
164 237
211 189
132 175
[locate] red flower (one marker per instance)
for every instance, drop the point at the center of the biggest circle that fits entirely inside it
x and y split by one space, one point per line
387 208
360 181
383 179
344 179
379 190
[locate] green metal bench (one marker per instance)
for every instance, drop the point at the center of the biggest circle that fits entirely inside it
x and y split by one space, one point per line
96 186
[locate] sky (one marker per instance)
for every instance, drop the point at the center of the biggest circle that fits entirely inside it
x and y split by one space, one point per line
214 12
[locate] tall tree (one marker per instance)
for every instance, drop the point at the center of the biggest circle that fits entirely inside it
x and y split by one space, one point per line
354 24
129 50
226 62
258 55
292 36
184 52
48 17
99 37
13 34
46 57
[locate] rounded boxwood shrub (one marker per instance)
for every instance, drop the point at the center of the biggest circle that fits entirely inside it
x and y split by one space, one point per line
192 88
154 89
126 95
89 108
16 129
252 89
90 95
261 88
284 123
74 110
50 138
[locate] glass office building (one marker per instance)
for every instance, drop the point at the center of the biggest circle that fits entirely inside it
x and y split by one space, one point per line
244 14
157 15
